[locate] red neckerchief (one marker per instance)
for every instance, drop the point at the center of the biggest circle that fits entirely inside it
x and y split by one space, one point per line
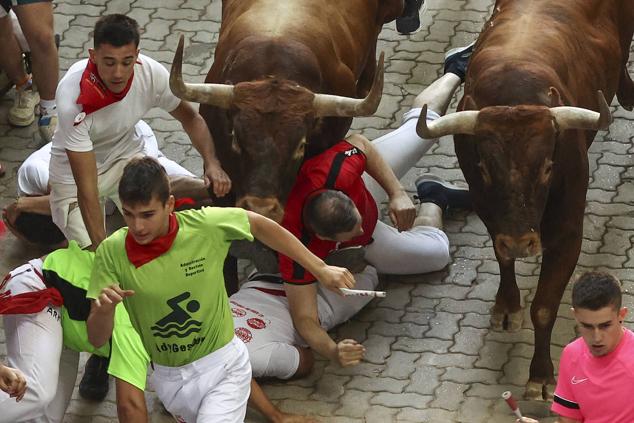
141 254
93 93
29 302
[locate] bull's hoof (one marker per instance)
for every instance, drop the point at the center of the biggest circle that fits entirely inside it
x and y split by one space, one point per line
537 391
533 391
515 320
497 320
511 322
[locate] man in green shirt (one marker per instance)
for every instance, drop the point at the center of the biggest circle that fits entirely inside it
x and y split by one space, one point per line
44 338
167 269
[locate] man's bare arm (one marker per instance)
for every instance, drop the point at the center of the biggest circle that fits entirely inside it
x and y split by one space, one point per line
100 322
84 167
131 406
401 209
302 300
281 240
261 402
196 128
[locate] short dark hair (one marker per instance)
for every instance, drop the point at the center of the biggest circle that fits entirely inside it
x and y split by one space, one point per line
329 212
117 30
38 229
144 179
595 290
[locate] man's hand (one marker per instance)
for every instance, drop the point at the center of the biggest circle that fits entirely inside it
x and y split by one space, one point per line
13 382
402 211
217 178
333 278
526 420
110 297
349 352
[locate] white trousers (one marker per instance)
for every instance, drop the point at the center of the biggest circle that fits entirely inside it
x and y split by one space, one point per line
34 346
212 389
421 249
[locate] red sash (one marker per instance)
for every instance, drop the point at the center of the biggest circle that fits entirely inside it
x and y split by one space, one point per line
29 302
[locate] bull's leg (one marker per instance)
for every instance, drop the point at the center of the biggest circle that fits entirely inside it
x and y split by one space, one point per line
557 266
507 311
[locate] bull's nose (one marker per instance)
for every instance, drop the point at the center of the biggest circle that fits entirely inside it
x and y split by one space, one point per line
526 245
266 206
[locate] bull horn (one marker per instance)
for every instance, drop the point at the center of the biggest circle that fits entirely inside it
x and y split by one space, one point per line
334 105
454 123
579 118
219 95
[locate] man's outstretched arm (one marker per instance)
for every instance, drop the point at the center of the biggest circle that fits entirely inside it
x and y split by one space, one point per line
131 406
302 300
261 402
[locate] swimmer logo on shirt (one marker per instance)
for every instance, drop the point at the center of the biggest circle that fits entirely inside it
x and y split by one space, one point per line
179 322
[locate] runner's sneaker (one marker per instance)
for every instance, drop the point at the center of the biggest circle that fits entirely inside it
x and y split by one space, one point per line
95 383
409 21
22 113
456 60
432 189
46 125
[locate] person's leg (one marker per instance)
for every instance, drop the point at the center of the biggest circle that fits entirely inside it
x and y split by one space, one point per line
68 363
422 249
27 336
403 148
227 401
66 214
36 20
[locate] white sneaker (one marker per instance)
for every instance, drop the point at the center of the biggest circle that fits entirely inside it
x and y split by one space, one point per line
22 113
46 125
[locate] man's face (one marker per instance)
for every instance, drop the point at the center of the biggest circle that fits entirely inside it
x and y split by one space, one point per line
356 231
115 64
146 222
601 329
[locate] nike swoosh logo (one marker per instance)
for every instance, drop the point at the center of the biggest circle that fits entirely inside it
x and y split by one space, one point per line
576 381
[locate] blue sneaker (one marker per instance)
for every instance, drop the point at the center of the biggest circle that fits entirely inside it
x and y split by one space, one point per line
456 60
432 189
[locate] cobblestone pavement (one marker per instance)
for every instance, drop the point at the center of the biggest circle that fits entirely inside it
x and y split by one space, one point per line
431 355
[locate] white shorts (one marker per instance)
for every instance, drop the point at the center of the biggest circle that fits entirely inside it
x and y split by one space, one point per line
212 389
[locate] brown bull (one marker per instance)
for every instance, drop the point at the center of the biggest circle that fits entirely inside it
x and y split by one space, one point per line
259 97
522 135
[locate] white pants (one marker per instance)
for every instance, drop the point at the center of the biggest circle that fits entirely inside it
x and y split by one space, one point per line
422 249
34 346
212 389
64 207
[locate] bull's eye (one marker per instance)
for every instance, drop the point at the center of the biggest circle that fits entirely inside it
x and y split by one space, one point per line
301 148
546 171
234 144
484 172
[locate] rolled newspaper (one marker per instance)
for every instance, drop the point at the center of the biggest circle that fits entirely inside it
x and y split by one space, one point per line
361 293
508 397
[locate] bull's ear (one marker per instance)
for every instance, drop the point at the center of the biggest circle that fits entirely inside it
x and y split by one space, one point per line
469 103
555 98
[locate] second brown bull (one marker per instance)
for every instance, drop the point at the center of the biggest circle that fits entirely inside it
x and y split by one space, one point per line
529 114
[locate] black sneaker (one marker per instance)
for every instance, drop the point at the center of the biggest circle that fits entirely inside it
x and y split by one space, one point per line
409 21
432 189
95 383
456 60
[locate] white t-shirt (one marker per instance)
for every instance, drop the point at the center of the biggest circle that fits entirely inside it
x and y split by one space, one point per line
33 172
262 320
109 131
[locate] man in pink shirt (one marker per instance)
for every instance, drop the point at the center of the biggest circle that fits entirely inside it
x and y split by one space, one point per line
596 371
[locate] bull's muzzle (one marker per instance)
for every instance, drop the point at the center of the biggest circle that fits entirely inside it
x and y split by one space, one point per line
510 247
266 206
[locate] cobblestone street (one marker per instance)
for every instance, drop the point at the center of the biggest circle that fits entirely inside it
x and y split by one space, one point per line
431 356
